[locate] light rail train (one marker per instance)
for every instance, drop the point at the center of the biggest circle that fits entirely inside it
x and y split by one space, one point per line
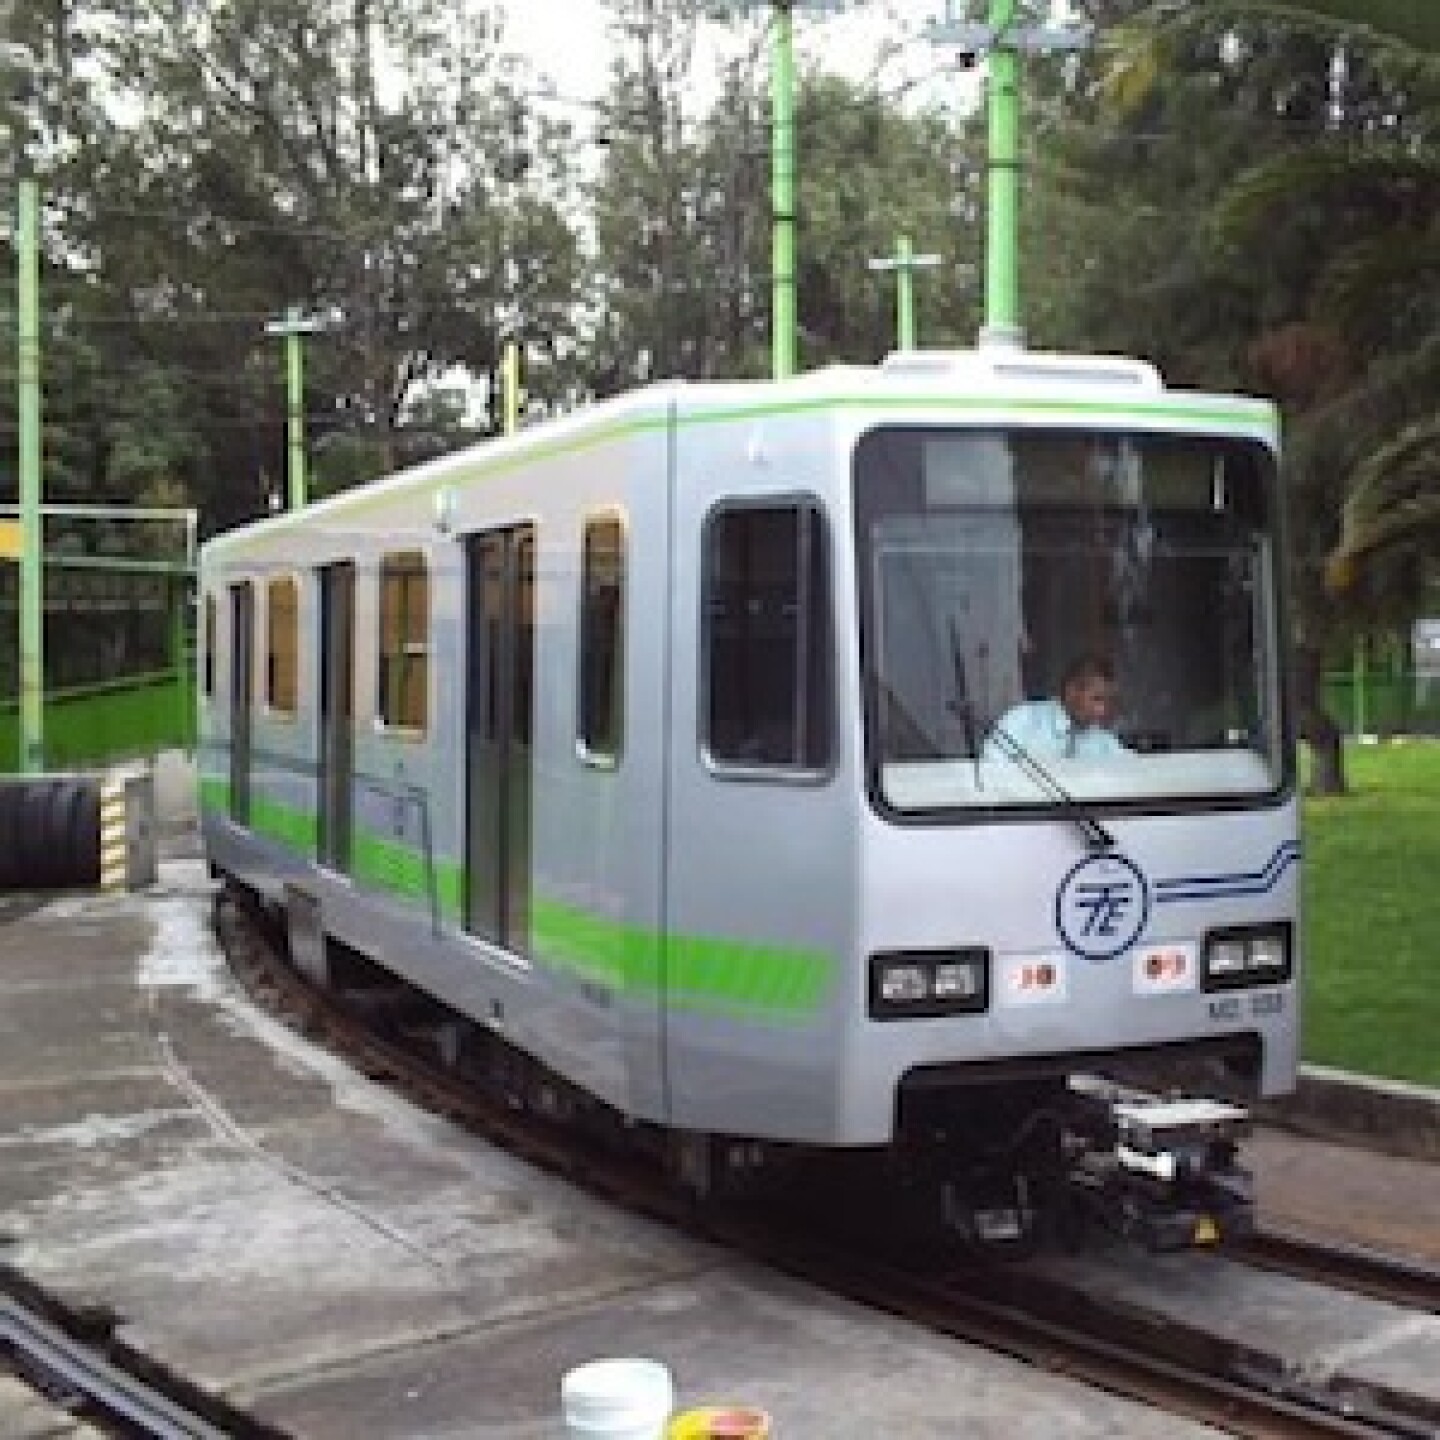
662 742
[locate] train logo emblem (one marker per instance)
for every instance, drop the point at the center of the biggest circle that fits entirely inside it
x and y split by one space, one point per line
1102 906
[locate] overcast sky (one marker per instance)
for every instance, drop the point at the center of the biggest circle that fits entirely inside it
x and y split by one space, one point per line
567 40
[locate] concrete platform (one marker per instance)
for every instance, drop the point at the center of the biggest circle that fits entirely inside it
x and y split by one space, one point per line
304 1243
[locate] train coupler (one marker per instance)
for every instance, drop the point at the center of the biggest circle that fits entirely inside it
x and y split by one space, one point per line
1165 1172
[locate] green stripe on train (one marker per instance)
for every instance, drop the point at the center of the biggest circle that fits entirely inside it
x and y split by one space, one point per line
737 978
727 977
292 828
401 870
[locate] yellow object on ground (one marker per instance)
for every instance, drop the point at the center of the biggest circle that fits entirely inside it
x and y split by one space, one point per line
722 1422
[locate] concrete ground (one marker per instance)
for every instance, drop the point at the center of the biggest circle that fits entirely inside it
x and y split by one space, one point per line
302 1241
298 1239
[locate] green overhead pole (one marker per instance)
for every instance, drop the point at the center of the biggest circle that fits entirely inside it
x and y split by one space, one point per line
1002 241
32 579
290 329
295 419
904 295
1003 42
783 325
904 262
782 191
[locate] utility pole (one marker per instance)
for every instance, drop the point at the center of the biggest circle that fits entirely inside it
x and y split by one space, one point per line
510 386
291 328
32 560
904 262
1004 41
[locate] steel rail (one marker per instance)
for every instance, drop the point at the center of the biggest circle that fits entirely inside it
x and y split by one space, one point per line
1171 1367
1403 1280
40 1348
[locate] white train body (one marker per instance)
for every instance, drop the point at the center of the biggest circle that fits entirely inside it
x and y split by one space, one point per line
653 739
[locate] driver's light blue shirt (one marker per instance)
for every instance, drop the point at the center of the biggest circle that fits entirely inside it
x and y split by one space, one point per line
1043 729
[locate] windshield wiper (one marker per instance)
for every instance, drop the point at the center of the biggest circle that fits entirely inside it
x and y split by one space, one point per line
1097 837
960 701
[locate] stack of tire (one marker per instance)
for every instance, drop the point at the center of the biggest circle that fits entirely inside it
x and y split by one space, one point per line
50 833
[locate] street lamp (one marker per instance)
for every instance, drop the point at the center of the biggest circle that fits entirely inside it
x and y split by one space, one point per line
904 263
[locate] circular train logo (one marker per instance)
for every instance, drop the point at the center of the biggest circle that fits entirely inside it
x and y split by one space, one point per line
1102 906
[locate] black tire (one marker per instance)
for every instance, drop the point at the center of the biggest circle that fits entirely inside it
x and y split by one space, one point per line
58 863
31 844
85 832
11 794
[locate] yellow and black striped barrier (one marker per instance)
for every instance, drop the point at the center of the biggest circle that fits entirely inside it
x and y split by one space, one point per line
114 844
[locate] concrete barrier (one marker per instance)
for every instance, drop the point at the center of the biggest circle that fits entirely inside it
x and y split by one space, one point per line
1384 1115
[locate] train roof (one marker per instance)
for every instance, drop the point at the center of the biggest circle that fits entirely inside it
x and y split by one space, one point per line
1031 384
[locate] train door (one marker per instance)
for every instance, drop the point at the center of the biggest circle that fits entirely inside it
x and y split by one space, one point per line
242 685
337 751
500 663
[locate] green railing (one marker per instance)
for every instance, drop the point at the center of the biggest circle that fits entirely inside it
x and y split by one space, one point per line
1380 702
93 724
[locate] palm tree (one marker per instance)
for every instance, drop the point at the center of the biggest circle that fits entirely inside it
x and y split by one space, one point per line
1398 22
1356 361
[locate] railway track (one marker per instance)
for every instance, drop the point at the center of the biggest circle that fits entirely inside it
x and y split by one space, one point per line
1012 1309
1410 1284
76 1362
1182 1369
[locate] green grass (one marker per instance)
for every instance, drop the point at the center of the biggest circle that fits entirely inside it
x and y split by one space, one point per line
1372 916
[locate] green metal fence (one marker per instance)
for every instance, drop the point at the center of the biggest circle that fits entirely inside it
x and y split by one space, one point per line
117 640
1382 702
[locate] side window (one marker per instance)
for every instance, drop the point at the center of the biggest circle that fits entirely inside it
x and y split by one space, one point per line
282 632
404 640
602 639
211 624
767 649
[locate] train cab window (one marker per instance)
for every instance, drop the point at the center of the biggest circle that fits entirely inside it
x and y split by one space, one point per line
207 673
602 639
404 640
1003 570
282 631
767 666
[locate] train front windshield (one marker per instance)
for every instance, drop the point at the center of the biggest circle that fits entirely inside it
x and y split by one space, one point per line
1063 614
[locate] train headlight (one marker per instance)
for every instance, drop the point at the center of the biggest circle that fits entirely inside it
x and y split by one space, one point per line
1225 958
916 984
903 984
1257 955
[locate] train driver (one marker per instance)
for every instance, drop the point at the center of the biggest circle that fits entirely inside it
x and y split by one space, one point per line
1074 725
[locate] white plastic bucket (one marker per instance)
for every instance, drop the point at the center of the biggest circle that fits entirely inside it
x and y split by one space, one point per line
617 1400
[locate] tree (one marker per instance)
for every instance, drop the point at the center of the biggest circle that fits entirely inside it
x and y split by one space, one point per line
380 166
674 207
683 215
